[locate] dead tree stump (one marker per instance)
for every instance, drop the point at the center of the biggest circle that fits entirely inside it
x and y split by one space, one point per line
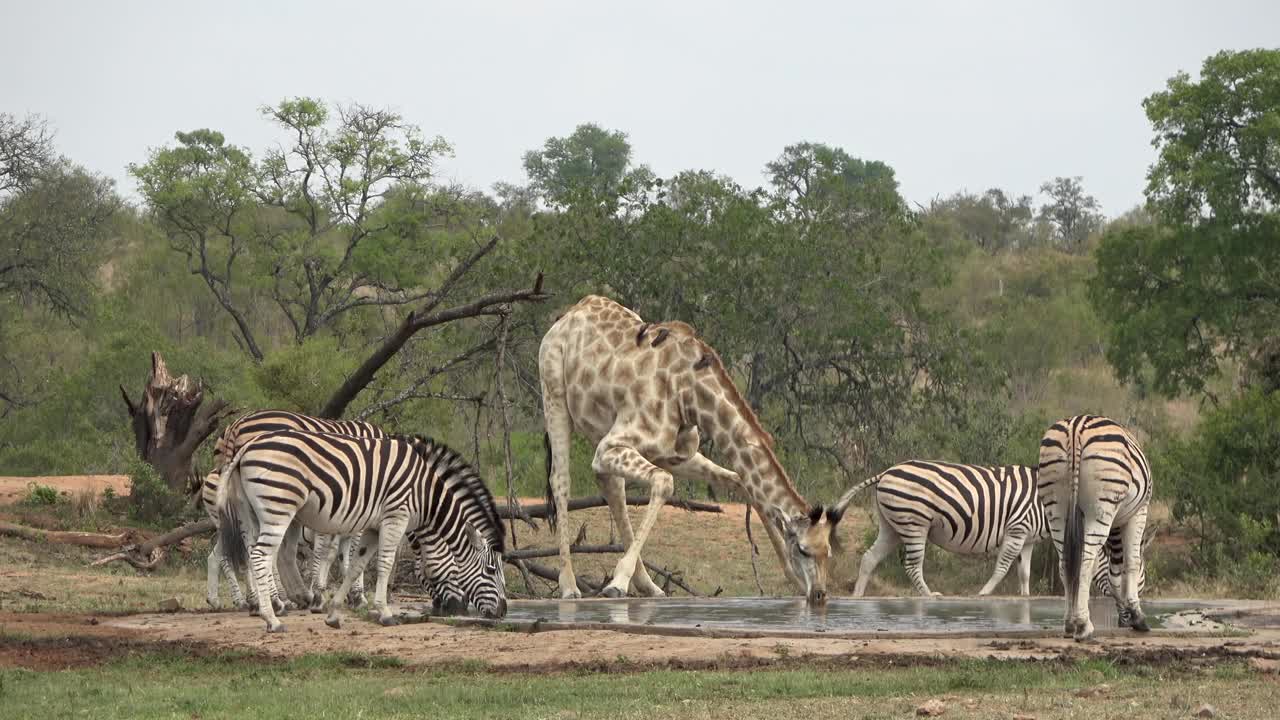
170 421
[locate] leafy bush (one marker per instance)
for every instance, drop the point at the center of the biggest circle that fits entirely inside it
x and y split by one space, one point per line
151 501
40 495
1222 481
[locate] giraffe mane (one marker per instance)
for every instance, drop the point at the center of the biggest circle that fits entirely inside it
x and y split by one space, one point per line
710 358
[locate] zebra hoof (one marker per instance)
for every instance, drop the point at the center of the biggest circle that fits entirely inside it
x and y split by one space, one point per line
612 592
334 622
570 595
1140 625
276 627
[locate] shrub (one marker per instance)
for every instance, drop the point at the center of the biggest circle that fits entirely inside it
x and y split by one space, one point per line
40 495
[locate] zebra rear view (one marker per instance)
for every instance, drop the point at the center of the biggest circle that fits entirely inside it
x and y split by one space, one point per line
1095 486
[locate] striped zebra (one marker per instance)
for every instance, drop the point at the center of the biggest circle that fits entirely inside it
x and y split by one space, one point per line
373 487
1095 486
251 425
967 509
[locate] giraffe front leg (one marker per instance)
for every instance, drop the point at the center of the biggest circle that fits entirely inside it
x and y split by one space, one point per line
614 489
625 462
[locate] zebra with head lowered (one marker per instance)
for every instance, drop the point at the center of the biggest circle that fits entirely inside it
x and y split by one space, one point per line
375 487
1095 486
966 509
446 597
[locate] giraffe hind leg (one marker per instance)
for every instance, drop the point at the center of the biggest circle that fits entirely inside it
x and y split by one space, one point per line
625 462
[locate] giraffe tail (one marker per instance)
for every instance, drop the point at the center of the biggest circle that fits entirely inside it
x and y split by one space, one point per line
552 518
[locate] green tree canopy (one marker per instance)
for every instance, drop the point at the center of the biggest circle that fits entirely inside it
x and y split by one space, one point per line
1203 282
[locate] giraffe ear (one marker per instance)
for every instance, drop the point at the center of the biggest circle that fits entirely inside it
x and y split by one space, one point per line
815 514
834 514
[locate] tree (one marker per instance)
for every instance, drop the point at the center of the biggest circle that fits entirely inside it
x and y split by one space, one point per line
1200 285
55 231
1073 214
1203 282
26 150
53 235
328 224
993 221
591 161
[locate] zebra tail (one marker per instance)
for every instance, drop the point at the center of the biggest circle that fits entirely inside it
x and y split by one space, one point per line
853 492
1073 540
552 517
230 492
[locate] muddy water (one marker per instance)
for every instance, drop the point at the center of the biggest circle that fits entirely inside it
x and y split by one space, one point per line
905 615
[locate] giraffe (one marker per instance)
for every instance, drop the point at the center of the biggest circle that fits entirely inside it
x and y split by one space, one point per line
644 394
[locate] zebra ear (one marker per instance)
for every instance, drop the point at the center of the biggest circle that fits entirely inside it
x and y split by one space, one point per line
474 537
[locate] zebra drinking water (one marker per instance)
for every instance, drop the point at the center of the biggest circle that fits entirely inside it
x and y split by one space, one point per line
375 487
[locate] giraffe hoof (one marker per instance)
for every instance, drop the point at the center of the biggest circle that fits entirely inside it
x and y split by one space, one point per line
276 627
571 595
1140 625
388 621
334 622
612 592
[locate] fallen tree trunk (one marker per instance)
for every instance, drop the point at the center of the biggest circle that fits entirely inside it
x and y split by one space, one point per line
528 553
540 510
87 539
148 555
586 587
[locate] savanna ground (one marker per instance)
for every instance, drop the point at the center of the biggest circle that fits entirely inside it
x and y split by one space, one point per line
77 641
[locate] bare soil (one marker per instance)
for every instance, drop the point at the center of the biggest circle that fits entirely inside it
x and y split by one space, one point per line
63 640
13 488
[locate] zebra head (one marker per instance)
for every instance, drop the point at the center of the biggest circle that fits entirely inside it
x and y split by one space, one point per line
464 573
810 541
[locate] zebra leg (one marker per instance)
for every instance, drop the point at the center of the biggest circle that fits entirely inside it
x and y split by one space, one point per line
913 551
1132 537
214 568
262 560
1010 549
389 537
355 598
322 553
1024 572
237 597
333 601
886 542
295 590
615 494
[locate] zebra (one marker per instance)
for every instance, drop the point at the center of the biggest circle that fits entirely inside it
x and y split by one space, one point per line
967 509
1095 486
258 422
375 487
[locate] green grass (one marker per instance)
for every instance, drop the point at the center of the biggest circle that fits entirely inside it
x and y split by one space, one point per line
168 684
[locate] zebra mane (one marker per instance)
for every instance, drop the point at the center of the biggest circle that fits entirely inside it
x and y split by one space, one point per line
467 482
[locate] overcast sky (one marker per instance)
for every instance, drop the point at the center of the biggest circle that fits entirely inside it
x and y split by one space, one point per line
959 94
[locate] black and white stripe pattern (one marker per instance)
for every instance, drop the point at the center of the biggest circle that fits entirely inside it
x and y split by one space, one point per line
374 487
967 509
446 597
1095 486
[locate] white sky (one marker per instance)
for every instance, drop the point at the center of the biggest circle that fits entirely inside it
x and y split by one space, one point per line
960 94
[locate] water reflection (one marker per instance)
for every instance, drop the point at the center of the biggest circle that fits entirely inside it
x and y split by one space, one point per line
914 614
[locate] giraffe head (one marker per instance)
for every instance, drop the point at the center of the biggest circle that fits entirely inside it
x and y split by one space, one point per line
811 541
